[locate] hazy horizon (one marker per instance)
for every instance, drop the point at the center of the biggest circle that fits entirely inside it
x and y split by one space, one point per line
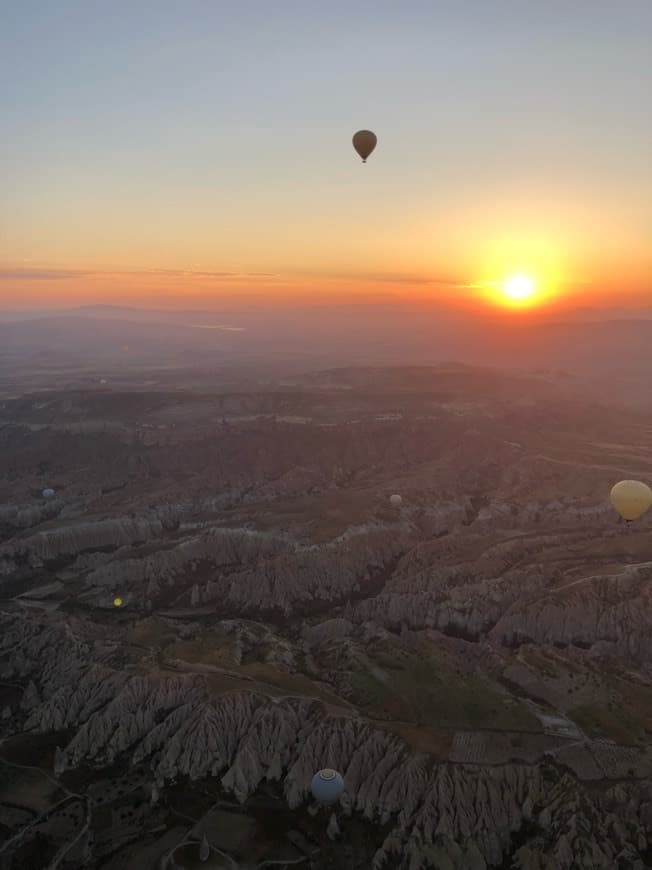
607 351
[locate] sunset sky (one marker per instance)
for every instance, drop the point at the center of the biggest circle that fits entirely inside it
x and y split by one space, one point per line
177 152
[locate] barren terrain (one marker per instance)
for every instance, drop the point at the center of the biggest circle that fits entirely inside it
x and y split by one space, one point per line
477 663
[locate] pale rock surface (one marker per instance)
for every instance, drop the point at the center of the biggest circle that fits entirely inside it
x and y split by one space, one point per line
461 816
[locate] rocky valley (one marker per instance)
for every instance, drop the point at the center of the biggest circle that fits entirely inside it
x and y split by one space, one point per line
477 663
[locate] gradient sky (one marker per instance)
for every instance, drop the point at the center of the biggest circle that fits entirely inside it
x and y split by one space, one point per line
185 150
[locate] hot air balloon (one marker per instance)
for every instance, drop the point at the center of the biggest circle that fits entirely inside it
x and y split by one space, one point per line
631 499
327 786
395 500
48 494
364 142
117 602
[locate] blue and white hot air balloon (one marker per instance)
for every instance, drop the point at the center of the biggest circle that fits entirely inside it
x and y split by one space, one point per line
48 494
327 786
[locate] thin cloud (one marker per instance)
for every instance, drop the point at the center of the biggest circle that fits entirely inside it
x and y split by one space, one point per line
388 278
184 273
39 274
217 326
412 279
192 273
56 274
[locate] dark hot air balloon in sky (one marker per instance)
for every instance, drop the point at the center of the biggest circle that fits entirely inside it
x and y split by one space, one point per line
364 142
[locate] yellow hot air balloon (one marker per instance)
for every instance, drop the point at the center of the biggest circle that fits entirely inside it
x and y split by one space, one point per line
631 498
364 142
117 602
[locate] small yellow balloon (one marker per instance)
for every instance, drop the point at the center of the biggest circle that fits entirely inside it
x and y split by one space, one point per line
117 602
631 498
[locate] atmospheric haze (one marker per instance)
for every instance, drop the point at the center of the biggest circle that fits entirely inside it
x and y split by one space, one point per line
325 528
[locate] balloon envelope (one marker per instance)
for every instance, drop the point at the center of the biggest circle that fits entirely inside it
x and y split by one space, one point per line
327 786
117 602
395 500
631 498
48 493
364 142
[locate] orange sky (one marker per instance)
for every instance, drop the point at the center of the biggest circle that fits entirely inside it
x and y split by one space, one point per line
30 286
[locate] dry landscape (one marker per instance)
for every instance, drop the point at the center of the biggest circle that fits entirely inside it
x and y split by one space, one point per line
476 662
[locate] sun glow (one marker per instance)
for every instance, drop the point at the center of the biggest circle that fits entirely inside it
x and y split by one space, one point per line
520 289
521 271
517 291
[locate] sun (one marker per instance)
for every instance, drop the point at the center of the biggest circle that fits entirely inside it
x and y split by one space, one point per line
520 288
520 291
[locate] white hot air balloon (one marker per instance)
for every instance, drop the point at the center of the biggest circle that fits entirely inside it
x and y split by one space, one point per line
395 500
327 786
